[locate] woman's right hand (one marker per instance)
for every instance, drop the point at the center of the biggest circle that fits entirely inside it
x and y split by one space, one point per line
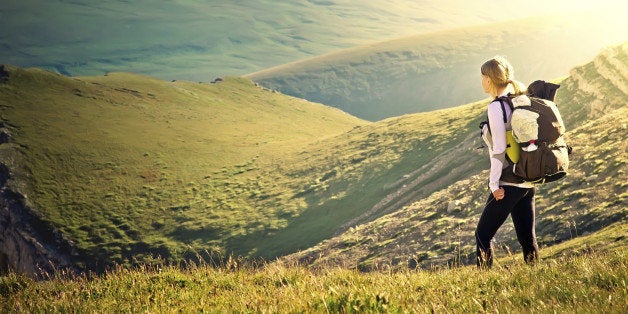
499 194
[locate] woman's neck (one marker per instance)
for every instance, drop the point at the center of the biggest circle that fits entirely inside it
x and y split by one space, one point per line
500 91
504 90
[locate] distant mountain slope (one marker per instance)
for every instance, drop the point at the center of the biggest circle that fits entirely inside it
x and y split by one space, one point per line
439 229
200 40
439 70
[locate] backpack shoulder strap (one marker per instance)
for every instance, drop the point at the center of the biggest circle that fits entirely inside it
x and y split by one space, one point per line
507 100
502 100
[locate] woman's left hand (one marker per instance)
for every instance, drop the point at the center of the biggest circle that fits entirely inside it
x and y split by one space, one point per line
499 194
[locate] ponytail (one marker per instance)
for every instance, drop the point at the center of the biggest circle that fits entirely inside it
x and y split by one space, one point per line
518 87
501 73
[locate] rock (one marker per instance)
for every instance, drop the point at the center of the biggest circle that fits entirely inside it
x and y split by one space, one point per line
4 74
28 244
453 205
591 178
5 136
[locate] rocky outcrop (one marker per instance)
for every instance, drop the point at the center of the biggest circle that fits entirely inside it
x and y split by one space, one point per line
4 74
28 244
595 88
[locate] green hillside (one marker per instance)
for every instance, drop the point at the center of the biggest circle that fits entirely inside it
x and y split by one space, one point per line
438 229
440 69
128 167
371 170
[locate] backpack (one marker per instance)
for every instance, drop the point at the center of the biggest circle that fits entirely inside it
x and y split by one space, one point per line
537 147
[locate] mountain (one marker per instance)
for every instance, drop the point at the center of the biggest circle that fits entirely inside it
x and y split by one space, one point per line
122 168
438 229
440 69
200 40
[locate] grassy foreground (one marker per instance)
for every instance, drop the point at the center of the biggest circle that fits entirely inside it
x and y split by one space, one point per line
590 281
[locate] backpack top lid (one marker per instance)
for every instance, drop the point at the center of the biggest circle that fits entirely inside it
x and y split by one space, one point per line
543 90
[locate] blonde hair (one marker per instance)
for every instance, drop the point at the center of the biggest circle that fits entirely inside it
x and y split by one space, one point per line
501 73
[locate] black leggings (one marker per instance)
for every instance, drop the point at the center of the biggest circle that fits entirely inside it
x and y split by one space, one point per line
519 203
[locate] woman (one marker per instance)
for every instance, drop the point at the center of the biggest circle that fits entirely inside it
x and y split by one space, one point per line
509 195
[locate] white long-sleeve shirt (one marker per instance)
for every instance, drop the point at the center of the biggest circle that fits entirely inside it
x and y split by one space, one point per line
497 143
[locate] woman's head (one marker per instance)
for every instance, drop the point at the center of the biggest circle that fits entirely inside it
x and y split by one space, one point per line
497 73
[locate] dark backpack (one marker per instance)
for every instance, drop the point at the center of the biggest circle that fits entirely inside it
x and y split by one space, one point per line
538 129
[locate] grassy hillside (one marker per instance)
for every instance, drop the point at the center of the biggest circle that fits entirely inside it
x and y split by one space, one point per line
129 167
441 69
439 228
573 277
199 40
126 165
227 167
379 168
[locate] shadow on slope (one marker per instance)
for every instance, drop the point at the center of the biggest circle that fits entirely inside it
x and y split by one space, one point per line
372 171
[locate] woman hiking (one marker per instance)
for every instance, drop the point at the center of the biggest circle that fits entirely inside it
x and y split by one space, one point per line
509 194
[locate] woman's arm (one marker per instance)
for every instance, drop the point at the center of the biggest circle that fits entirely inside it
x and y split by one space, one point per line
498 151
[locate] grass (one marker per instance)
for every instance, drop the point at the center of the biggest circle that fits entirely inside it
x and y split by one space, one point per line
567 280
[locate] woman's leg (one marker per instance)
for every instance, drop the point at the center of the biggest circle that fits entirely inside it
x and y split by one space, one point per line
494 214
523 218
